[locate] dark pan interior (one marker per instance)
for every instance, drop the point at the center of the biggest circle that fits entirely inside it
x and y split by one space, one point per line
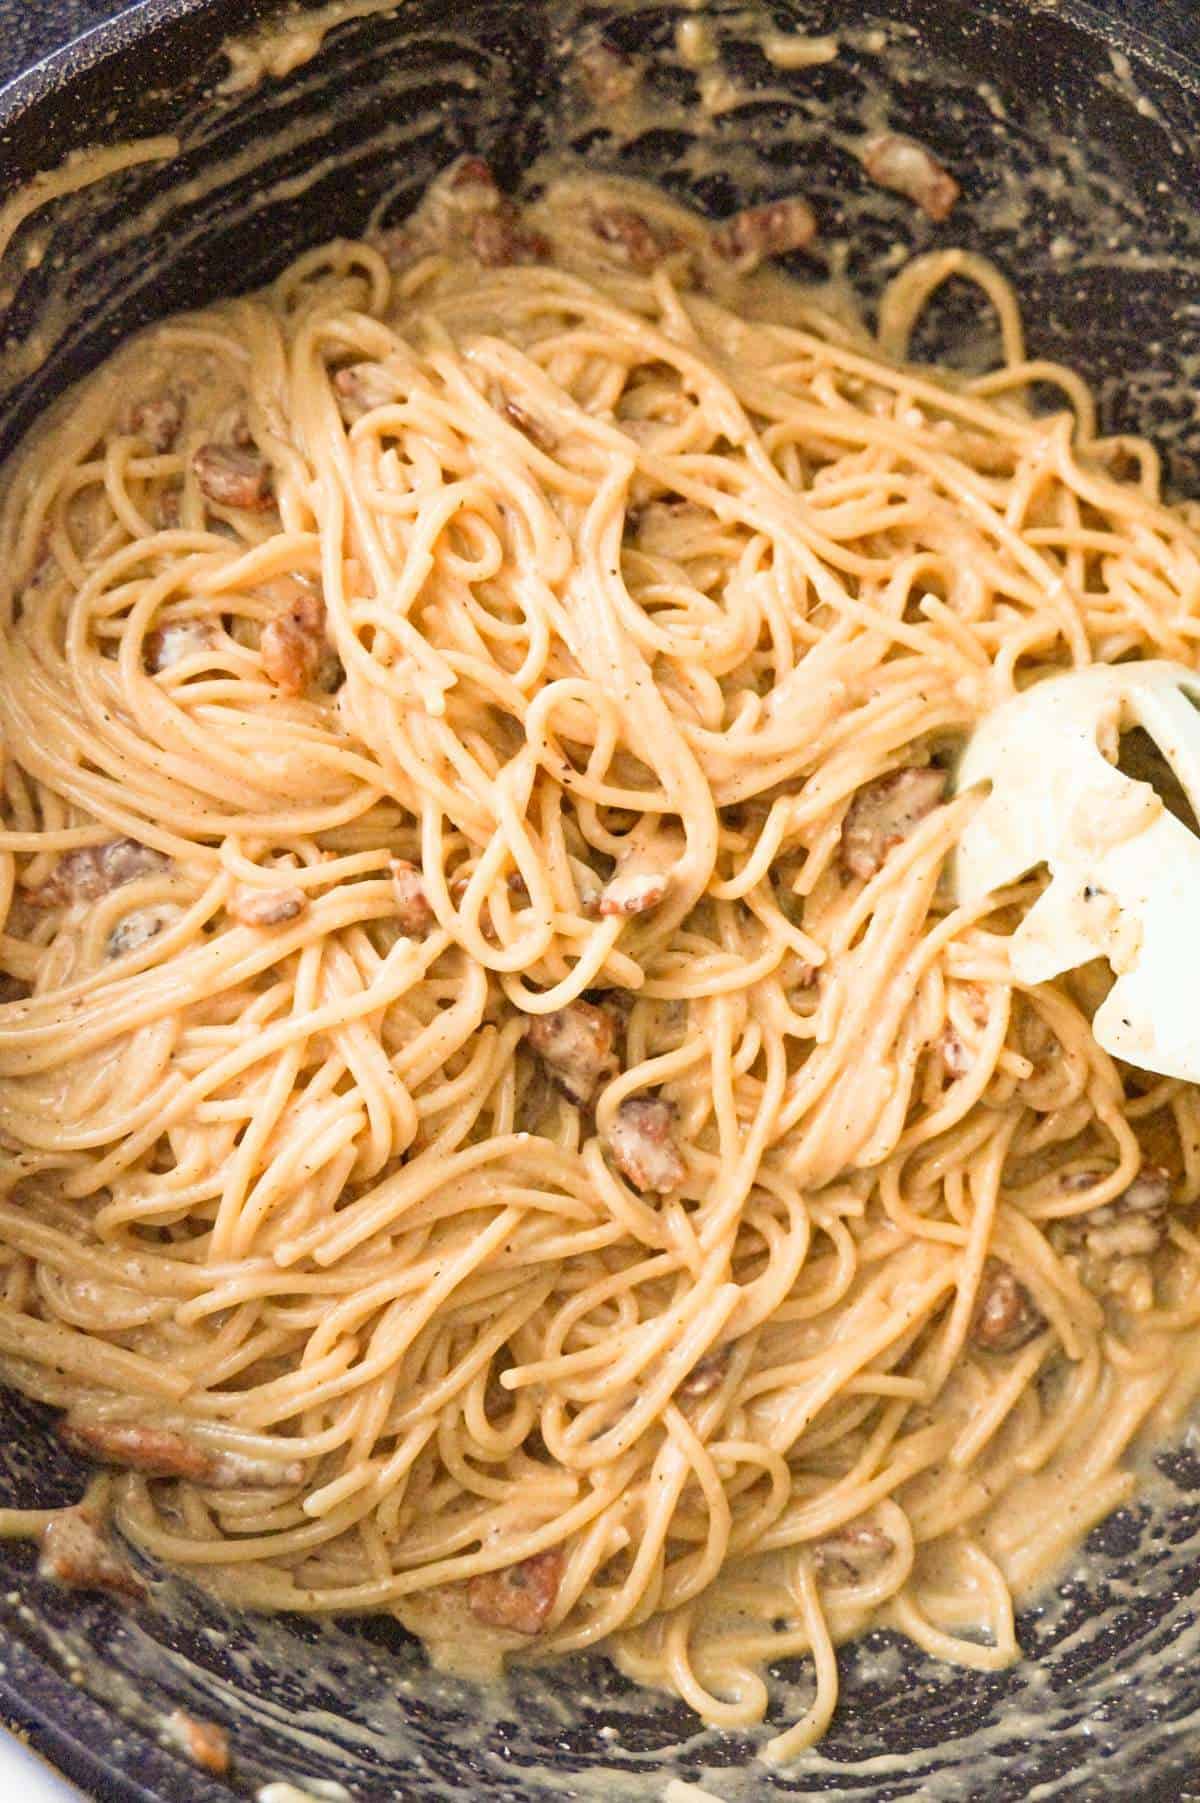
1081 169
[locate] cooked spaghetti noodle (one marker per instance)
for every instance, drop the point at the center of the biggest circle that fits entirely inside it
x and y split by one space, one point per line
506 1123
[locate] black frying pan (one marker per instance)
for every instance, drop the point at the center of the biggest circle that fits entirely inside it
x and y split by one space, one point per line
1082 175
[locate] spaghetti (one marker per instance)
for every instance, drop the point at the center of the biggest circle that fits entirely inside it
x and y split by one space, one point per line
505 1122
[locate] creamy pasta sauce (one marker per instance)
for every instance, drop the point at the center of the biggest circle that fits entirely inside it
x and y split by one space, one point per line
505 1122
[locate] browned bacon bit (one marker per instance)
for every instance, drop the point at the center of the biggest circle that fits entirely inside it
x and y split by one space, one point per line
362 387
158 422
12 989
170 644
533 429
854 1552
155 1451
520 1597
607 77
413 910
642 1142
254 907
466 213
78 1554
767 231
631 235
576 1045
232 477
884 813
472 172
96 870
1006 1317
1132 1225
497 239
163 1452
633 891
706 1376
293 642
908 168
643 873
205 1743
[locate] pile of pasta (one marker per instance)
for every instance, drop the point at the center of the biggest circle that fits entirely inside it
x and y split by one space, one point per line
504 1121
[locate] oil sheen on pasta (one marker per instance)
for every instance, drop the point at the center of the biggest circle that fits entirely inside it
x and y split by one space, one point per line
503 1122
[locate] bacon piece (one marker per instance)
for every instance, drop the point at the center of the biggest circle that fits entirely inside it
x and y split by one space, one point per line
642 1142
643 874
706 1376
767 231
156 1451
164 1452
907 167
96 870
498 239
230 476
519 1598
293 641
205 1744
633 892
1111 1248
575 1044
170 644
1006 1316
473 172
362 387
1132 1225
253 907
413 909
78 1553
853 1553
884 813
466 213
158 421
533 429
630 234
